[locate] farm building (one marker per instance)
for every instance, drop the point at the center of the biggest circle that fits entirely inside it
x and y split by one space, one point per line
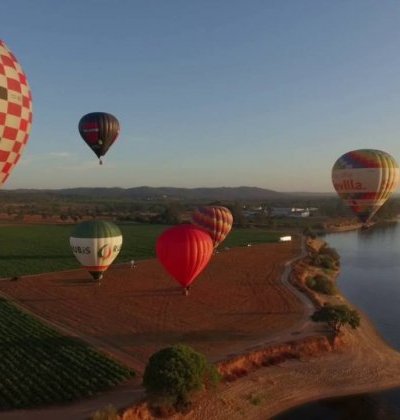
289 212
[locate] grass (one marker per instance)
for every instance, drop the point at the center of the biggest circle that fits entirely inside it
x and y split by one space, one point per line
39 366
34 249
255 399
242 237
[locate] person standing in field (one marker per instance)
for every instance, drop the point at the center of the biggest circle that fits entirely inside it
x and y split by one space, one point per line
133 264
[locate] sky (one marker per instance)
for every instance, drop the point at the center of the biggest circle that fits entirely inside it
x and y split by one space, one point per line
265 93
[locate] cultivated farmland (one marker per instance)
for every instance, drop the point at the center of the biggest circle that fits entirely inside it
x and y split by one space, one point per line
236 303
134 312
32 249
39 366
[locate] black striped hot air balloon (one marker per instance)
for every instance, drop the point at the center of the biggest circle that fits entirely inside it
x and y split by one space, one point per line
99 130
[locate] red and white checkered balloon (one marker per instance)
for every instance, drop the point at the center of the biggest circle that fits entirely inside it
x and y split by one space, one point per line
15 111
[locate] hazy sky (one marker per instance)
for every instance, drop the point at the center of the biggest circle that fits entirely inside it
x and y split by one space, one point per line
208 93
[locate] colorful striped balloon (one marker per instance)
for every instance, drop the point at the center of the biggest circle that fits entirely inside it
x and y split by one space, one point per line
365 179
95 245
216 220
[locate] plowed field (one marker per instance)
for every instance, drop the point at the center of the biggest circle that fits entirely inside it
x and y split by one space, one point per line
234 304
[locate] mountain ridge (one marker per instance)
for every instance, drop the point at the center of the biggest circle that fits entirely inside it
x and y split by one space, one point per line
146 192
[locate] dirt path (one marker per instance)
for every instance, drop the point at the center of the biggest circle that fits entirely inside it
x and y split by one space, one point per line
122 396
303 327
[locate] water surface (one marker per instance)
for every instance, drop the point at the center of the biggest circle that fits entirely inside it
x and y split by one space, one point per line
370 278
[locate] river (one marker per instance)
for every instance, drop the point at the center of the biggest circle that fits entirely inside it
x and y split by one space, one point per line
370 278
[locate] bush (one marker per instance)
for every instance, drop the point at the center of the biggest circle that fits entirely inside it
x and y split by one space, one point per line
336 316
108 413
330 252
321 284
324 261
174 373
308 232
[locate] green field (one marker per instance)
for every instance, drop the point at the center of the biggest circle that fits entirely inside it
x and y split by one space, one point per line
39 366
33 249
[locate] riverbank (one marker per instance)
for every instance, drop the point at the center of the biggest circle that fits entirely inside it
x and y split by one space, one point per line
347 225
363 362
366 365
342 225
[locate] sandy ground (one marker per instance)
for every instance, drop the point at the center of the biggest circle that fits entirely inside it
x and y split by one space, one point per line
343 225
367 365
237 303
250 279
134 312
362 362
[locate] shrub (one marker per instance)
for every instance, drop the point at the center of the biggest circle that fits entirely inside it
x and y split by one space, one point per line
321 284
255 399
108 413
324 261
331 252
308 232
174 373
336 316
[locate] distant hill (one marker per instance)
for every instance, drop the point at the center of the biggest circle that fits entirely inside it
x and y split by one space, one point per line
154 193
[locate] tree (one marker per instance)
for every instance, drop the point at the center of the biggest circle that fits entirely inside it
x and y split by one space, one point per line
20 215
321 284
331 252
173 373
238 217
324 261
171 214
336 316
308 232
389 210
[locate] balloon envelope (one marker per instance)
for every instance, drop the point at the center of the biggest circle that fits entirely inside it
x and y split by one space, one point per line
365 179
99 130
216 220
95 245
184 251
15 111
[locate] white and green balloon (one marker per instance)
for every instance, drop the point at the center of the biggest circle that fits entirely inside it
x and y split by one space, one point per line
96 244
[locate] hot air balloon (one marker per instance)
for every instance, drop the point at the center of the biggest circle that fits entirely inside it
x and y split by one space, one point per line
96 244
365 179
216 220
99 130
15 111
184 251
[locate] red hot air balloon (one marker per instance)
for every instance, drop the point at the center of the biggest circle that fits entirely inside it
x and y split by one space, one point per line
15 111
99 130
216 220
184 251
